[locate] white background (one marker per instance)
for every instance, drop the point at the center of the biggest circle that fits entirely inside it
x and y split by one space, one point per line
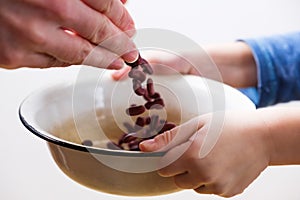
27 171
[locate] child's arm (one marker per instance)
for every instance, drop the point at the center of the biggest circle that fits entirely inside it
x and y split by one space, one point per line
247 144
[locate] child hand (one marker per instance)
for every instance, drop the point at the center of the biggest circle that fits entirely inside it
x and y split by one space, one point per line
239 153
166 64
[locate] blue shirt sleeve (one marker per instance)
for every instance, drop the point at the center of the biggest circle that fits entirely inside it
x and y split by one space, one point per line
278 66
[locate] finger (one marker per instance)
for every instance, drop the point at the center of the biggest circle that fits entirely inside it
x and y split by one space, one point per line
116 12
103 58
121 73
187 181
74 50
173 137
98 29
37 60
180 158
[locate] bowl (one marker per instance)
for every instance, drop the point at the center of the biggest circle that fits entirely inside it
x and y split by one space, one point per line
66 114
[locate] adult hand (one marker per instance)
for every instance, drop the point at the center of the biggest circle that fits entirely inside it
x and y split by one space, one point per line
33 33
240 154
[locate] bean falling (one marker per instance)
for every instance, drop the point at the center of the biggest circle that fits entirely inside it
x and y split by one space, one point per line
145 127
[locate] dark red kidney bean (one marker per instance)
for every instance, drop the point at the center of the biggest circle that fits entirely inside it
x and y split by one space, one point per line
87 143
128 138
113 146
135 110
147 68
156 95
134 145
150 87
159 101
148 105
146 96
147 120
137 87
156 104
142 61
140 121
140 91
167 126
137 75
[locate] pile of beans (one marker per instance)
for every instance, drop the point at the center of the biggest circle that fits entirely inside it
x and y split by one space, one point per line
145 127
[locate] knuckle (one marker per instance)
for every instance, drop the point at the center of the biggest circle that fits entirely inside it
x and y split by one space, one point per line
101 32
81 53
36 34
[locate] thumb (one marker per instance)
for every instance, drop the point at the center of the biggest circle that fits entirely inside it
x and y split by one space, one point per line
173 137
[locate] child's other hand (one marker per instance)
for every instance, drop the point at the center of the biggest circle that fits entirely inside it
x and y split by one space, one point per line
239 153
165 64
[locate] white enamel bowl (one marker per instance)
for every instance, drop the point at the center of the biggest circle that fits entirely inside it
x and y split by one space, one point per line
91 107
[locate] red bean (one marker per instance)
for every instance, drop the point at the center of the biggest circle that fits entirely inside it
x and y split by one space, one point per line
128 138
140 121
160 101
147 120
150 87
135 110
134 145
87 143
156 95
137 87
137 75
167 126
156 104
144 127
146 67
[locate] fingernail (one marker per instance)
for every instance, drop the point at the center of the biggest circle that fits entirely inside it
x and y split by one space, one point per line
146 145
131 56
